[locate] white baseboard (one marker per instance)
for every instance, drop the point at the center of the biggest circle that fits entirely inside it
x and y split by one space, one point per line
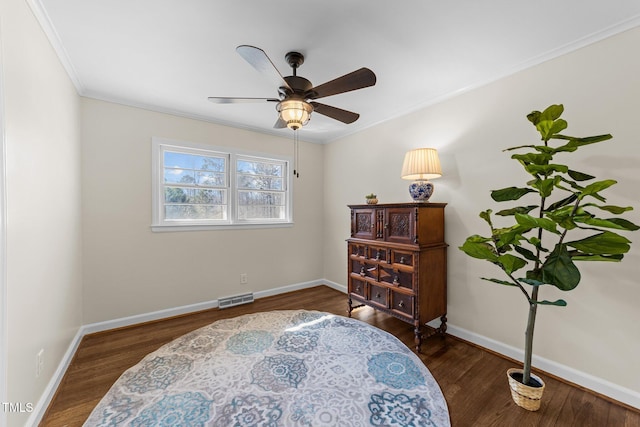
599 385
41 407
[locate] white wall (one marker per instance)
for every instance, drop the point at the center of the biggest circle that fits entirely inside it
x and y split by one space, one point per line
130 270
597 334
43 269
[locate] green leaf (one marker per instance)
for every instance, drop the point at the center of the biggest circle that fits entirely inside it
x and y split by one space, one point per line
510 193
533 158
545 121
533 222
510 235
590 257
615 223
525 253
594 188
477 247
519 147
553 112
519 209
609 208
558 126
623 224
486 215
534 117
531 282
579 176
559 303
546 170
574 142
501 282
511 263
559 270
544 186
564 202
605 243
579 142
573 185
563 217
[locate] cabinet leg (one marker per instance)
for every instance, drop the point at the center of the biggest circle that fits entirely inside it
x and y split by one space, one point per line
349 306
443 325
418 337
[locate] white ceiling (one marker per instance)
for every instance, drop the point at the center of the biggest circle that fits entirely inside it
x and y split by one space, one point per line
170 55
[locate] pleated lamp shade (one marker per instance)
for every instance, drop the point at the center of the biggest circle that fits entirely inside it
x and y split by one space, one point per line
421 165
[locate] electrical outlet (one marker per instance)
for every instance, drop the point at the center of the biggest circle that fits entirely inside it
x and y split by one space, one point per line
244 279
39 362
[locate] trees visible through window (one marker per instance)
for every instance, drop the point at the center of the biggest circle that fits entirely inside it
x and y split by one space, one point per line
199 186
261 189
195 186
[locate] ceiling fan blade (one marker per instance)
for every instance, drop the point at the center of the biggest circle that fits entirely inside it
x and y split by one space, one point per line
280 124
358 79
335 113
261 62
224 100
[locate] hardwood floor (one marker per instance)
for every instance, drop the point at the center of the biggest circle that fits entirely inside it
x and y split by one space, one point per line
472 379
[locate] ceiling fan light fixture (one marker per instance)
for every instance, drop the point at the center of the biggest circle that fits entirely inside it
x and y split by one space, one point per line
295 113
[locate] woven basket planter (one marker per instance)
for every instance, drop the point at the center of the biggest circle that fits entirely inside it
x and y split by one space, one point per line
525 396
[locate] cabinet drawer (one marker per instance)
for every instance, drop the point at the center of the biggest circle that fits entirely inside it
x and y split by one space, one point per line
379 253
357 287
403 257
402 303
358 250
378 295
395 277
364 269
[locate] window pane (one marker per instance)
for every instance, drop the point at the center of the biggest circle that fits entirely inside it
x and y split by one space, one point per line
176 160
254 205
195 212
259 167
210 179
183 168
175 176
268 198
261 212
195 196
261 189
260 182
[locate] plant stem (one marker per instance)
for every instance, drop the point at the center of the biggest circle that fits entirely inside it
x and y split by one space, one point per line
528 344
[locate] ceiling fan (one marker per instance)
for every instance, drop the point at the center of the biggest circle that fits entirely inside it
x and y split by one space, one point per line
296 95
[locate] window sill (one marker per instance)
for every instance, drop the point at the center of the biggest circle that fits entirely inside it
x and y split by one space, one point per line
203 227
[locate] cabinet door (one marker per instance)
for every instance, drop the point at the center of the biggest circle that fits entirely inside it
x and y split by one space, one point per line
363 223
400 225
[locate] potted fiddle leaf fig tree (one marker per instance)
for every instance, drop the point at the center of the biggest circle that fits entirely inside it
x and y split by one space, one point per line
534 248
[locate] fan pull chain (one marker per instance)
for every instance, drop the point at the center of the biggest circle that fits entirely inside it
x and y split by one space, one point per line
296 154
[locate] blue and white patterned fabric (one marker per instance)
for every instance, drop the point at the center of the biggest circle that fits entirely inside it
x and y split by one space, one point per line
279 368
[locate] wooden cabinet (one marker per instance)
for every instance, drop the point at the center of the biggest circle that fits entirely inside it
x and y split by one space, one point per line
397 262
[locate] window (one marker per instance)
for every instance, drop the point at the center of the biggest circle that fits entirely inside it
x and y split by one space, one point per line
205 187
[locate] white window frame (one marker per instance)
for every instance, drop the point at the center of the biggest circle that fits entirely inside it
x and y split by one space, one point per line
160 224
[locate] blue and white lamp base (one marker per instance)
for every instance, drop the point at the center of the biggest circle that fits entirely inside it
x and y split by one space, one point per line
421 191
